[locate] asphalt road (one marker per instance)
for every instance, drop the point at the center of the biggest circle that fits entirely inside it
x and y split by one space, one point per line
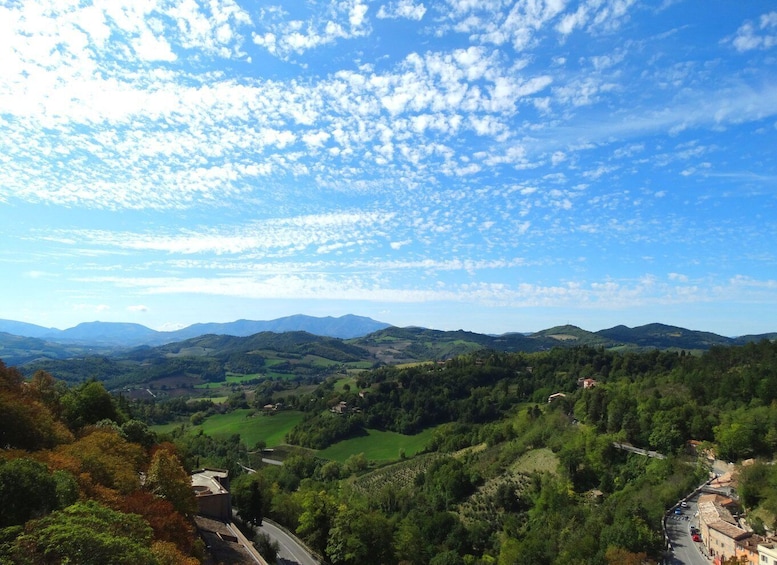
291 552
685 551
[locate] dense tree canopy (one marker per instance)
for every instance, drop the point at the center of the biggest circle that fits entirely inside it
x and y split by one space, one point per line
70 480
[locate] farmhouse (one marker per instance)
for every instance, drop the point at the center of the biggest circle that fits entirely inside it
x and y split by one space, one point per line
587 383
340 408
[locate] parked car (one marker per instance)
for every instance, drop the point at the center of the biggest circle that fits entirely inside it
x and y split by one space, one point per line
678 510
696 537
684 504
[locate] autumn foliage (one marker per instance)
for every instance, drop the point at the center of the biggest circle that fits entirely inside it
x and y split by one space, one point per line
72 485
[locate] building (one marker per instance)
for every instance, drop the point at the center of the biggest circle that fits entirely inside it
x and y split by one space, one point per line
748 548
767 553
211 487
587 383
723 539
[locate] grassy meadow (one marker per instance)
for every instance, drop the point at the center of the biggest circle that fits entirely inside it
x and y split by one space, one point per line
378 446
271 429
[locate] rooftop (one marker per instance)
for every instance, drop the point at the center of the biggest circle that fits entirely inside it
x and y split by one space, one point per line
206 481
730 530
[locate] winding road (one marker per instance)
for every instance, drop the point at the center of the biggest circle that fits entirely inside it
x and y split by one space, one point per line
685 551
291 551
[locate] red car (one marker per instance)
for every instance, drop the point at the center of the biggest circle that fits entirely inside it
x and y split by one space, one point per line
696 537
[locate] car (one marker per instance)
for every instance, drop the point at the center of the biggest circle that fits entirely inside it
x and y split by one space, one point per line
678 510
696 537
684 504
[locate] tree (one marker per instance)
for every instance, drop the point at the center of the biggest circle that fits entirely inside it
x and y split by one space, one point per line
167 524
356 463
87 533
447 482
44 388
168 479
315 521
88 404
109 459
358 537
138 432
409 542
167 553
25 421
509 552
620 556
27 490
267 547
252 497
447 558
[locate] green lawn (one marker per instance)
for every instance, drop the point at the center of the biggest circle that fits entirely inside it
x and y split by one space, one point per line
378 446
271 429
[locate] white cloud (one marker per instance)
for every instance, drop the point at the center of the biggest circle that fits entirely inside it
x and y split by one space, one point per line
137 308
150 47
269 236
603 294
402 9
595 16
396 245
761 35
339 20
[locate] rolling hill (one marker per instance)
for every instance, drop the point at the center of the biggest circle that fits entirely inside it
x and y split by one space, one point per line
301 354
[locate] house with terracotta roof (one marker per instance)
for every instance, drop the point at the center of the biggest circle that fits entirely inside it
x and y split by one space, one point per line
719 529
748 548
723 539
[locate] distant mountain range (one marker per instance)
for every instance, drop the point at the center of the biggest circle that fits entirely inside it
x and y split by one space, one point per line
113 334
22 343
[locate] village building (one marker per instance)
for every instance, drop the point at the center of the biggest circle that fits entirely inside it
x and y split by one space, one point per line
211 488
747 548
723 539
767 552
721 534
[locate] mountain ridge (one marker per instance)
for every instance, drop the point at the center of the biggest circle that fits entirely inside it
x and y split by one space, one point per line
125 334
387 344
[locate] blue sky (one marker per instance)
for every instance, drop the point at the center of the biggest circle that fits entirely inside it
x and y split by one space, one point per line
488 165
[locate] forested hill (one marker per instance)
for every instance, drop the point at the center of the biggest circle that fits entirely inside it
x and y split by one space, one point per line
211 357
393 345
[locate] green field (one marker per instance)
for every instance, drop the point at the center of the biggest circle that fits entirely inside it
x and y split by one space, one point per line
378 446
167 428
270 429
